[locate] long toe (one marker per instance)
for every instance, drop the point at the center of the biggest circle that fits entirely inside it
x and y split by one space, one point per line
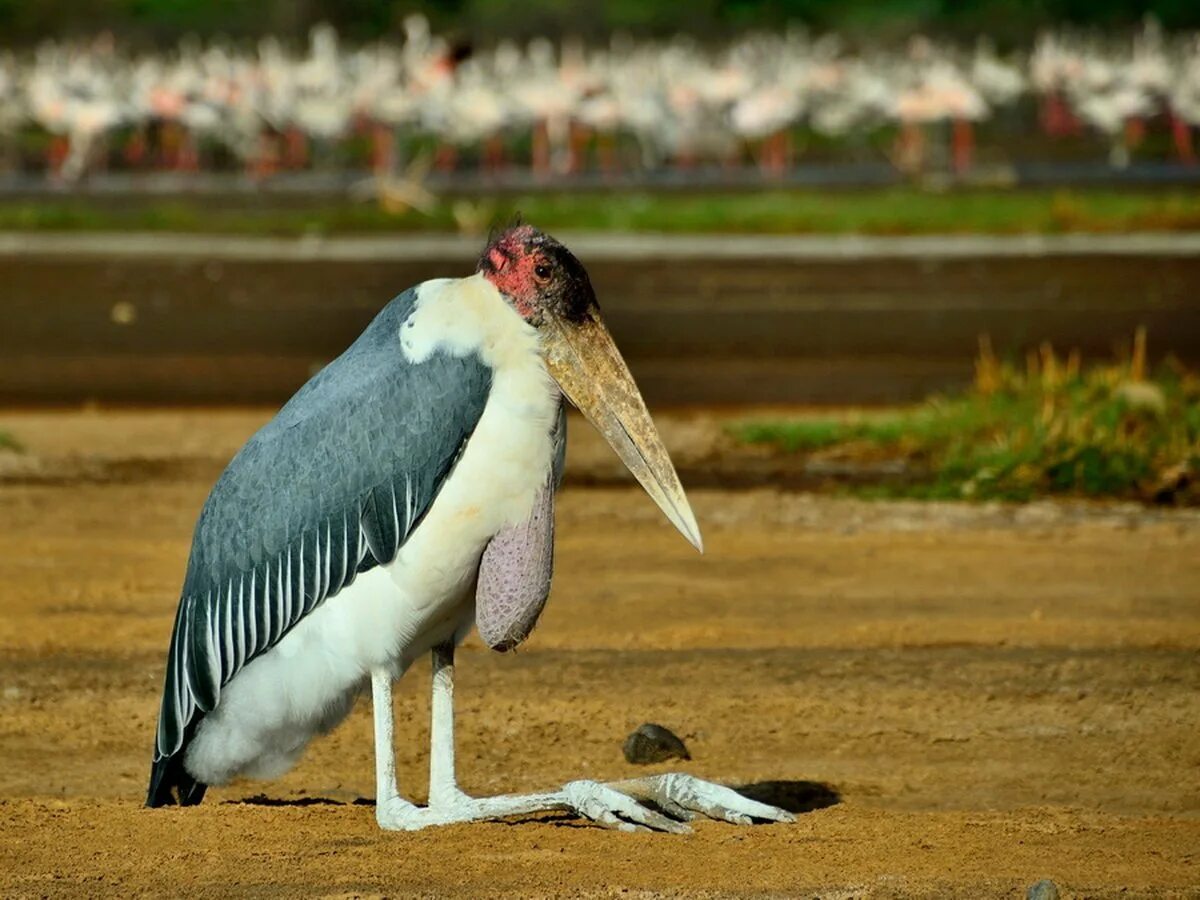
672 809
629 808
613 809
719 802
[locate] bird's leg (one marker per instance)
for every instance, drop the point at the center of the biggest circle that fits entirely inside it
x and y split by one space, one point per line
447 802
443 782
616 805
448 805
391 810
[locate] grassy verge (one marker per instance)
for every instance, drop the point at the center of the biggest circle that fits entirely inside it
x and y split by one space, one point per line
1047 428
883 212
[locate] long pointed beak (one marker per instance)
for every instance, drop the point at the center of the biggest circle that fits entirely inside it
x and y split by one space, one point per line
584 360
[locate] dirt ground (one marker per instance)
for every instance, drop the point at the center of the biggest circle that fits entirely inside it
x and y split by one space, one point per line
964 699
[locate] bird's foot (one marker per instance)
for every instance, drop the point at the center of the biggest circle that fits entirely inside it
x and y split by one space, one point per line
446 806
449 797
657 803
607 806
592 800
397 814
685 797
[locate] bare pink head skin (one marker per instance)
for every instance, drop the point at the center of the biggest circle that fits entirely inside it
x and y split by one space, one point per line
538 276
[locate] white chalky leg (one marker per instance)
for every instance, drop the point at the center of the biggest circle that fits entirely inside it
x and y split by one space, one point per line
443 781
448 804
391 810
615 805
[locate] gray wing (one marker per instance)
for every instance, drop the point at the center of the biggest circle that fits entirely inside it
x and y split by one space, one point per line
329 488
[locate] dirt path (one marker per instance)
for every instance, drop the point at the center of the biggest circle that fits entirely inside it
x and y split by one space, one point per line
993 695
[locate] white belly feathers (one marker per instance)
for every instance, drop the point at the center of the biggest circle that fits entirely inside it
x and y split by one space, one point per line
392 615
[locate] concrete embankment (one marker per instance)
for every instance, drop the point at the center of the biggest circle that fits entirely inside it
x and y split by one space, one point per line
703 320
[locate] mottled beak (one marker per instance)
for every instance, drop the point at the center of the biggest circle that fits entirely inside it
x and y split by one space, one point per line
583 358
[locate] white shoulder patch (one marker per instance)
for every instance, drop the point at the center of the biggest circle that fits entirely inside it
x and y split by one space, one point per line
463 316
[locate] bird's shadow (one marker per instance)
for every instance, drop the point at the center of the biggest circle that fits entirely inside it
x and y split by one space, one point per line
793 796
264 800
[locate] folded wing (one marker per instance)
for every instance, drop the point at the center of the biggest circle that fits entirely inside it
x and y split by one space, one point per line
329 488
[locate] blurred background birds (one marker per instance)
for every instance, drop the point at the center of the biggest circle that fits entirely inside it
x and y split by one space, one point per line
762 100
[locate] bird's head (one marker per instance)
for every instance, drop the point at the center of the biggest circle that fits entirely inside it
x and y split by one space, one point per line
550 289
539 276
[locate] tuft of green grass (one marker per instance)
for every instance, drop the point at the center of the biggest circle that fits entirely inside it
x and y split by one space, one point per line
890 211
1021 432
8 442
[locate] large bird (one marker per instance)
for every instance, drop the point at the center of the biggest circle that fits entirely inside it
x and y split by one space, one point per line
403 495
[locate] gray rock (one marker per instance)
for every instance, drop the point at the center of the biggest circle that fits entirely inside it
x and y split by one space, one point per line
1042 890
652 743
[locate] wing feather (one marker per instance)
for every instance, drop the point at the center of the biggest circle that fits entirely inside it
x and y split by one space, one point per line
239 615
228 647
279 608
252 611
289 596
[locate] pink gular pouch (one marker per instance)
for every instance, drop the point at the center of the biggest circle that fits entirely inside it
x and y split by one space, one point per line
514 576
515 570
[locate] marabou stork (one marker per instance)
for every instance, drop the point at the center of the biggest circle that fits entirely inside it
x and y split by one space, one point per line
403 495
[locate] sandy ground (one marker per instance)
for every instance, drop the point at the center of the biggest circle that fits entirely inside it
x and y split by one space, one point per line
965 699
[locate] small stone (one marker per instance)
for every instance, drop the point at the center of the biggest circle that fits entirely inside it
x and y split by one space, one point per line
1042 890
652 743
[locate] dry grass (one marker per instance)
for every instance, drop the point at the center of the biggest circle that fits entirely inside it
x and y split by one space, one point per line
1049 426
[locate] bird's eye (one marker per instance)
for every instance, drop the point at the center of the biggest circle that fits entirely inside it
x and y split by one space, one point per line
541 272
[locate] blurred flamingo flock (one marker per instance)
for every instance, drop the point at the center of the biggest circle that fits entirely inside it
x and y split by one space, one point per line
762 103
